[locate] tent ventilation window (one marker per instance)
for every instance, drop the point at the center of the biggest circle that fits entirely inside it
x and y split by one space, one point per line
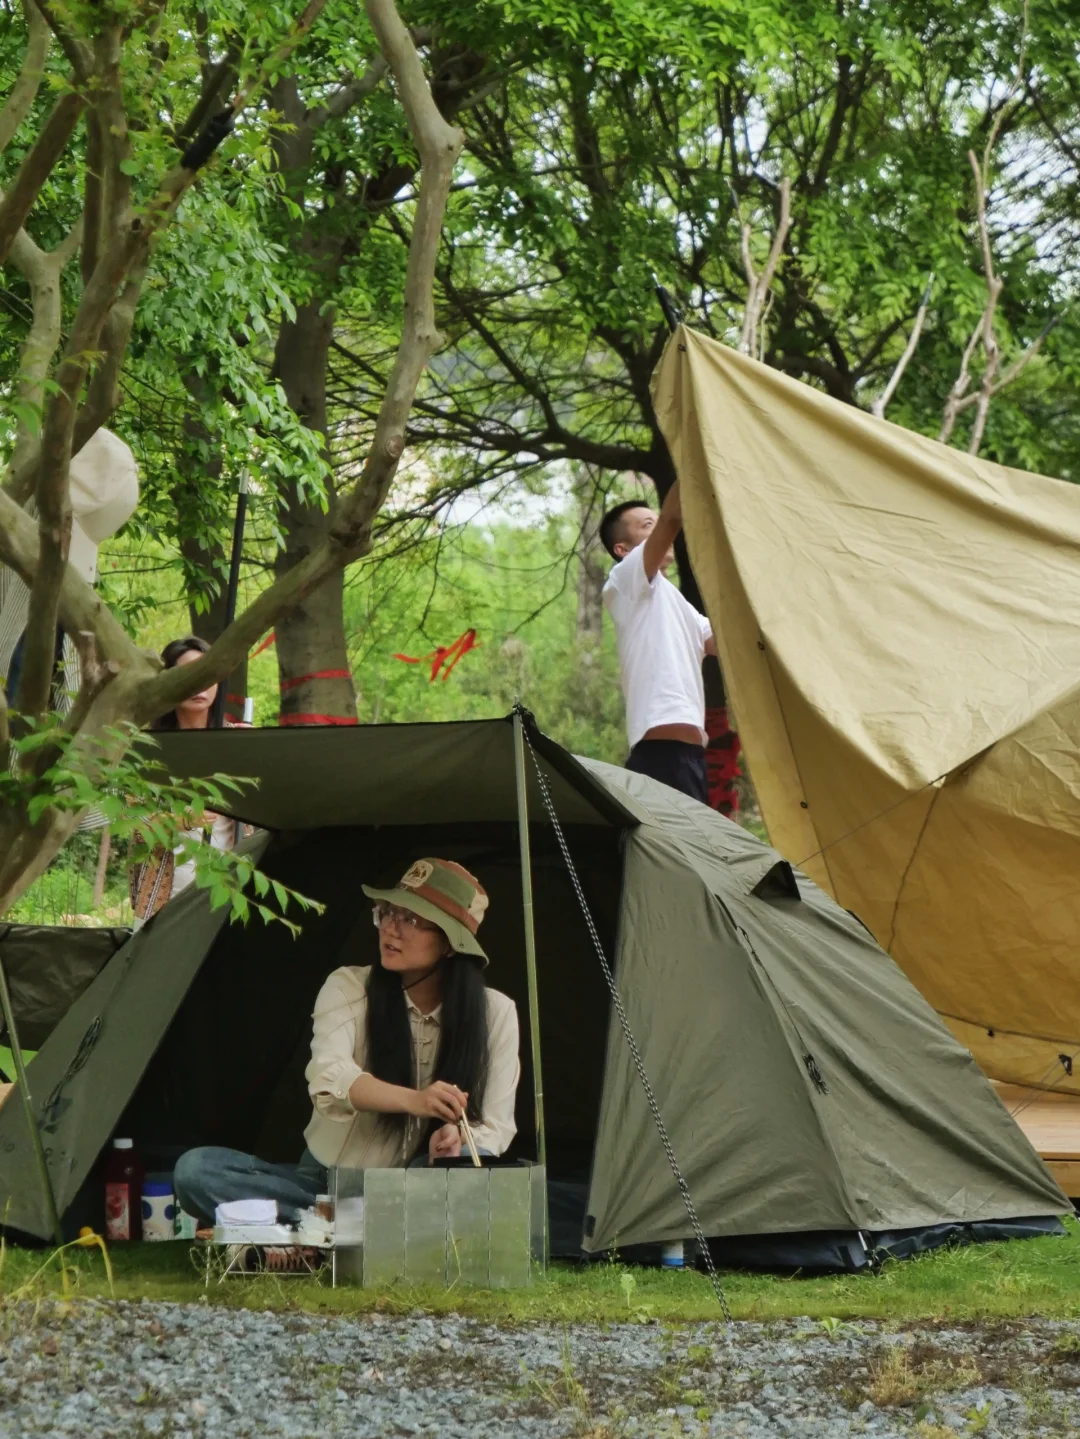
628 1035
778 882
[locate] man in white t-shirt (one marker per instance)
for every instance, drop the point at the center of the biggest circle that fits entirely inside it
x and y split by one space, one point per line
662 641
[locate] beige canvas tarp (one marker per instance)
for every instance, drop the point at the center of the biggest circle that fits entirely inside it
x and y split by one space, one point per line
899 627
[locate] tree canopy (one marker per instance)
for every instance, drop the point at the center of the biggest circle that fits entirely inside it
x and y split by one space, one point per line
822 183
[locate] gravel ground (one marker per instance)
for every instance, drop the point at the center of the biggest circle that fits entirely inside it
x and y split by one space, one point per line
96 1369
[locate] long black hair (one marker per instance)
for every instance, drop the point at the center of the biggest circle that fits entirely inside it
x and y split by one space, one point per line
170 658
463 1058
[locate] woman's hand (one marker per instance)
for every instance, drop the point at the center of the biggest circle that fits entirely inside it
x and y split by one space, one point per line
445 1143
439 1101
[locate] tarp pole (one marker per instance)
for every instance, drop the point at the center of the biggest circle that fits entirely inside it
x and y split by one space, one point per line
217 718
23 1087
530 936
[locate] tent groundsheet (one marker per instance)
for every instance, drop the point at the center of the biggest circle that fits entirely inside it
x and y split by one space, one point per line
898 629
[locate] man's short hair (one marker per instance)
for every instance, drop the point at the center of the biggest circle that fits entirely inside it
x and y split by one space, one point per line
611 526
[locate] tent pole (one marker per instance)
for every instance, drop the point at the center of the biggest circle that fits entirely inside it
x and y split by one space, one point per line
217 717
530 936
28 1107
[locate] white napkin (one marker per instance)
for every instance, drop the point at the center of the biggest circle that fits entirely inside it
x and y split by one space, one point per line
246 1211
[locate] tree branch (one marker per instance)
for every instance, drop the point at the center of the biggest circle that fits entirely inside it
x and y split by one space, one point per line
439 145
42 273
758 285
81 608
130 251
113 133
24 92
78 54
92 198
959 385
37 167
222 77
352 92
881 403
994 286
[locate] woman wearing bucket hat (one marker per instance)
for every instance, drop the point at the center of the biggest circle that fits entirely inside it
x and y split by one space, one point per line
403 1049
400 1051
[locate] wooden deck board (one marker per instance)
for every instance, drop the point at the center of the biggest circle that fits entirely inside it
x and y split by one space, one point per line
1050 1121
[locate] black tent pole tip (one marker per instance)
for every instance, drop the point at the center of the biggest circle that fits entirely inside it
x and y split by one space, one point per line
671 313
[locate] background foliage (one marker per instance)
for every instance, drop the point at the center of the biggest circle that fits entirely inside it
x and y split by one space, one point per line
607 142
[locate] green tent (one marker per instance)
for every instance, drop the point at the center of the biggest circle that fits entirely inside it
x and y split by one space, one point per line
808 1090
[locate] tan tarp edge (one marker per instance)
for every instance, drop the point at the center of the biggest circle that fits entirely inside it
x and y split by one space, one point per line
899 626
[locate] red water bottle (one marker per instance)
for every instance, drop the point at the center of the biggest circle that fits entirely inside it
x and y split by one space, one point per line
123 1192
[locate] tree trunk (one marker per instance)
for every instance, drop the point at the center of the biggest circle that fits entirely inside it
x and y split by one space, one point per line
207 623
210 623
102 870
591 570
313 660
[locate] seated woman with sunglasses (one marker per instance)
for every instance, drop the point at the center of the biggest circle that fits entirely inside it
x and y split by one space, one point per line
401 1051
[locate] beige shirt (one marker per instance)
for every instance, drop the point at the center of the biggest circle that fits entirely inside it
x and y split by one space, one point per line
340 1134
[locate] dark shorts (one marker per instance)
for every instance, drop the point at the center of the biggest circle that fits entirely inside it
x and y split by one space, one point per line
673 762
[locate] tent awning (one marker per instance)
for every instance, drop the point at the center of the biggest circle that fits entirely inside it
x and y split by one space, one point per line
461 772
897 625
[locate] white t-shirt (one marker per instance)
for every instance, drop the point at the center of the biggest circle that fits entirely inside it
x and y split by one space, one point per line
661 639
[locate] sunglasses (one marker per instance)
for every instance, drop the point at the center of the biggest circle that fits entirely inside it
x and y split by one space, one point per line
383 913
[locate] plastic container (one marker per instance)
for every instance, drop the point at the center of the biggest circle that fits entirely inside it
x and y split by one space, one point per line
672 1256
186 1224
158 1209
123 1192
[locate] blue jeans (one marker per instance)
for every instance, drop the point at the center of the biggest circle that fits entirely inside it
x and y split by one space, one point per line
206 1177
209 1176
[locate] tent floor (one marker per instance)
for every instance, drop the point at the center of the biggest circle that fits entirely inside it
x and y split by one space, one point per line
1051 1122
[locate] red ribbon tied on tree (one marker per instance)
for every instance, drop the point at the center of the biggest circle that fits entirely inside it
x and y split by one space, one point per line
444 657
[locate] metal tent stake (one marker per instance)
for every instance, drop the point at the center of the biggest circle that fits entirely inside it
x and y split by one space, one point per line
28 1108
530 936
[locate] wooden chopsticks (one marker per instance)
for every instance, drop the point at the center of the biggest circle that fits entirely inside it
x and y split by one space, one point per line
469 1140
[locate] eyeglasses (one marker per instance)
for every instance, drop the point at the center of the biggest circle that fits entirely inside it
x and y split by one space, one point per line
383 913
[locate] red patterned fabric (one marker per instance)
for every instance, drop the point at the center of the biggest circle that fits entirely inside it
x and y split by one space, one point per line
722 761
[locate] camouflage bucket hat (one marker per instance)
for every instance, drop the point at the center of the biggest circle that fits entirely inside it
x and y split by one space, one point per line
444 893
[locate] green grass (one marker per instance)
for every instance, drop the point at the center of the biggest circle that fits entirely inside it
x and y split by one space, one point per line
988 1281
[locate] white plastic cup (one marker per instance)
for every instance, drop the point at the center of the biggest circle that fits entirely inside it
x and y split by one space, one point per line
672 1256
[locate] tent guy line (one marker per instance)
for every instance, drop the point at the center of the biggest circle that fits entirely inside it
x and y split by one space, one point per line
881 814
628 1033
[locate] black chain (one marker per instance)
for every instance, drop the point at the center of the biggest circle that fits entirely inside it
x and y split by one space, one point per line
628 1035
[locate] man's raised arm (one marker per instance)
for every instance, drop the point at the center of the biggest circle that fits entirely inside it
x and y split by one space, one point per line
662 535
